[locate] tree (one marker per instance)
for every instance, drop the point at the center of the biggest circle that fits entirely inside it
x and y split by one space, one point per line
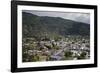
82 55
68 54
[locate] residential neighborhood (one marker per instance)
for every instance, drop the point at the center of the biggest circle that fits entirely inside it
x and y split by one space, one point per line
54 36
51 50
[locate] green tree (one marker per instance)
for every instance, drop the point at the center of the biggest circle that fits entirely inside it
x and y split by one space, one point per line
82 55
68 54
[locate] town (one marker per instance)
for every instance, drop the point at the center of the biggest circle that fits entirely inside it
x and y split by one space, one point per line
69 48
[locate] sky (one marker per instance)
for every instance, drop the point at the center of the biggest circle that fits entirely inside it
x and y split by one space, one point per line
76 16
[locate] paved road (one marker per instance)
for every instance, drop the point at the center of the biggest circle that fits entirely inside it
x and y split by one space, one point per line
57 55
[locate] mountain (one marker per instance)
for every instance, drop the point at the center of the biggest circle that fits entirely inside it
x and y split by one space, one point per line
33 25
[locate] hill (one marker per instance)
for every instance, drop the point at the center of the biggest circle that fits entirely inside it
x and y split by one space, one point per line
34 26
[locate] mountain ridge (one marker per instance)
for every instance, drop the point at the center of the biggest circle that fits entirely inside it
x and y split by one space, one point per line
41 25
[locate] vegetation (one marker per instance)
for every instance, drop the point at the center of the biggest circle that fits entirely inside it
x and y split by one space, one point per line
68 54
53 27
53 38
82 55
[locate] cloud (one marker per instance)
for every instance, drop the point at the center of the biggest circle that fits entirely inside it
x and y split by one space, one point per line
76 16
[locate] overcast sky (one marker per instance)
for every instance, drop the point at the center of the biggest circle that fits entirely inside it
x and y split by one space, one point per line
80 17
